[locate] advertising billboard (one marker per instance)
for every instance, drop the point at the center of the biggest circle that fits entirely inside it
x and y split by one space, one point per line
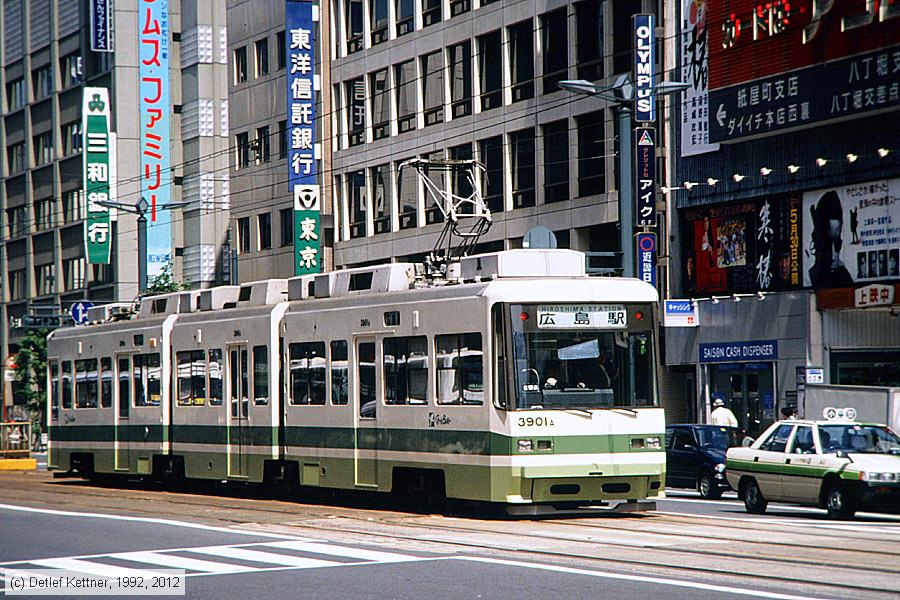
98 174
851 234
695 72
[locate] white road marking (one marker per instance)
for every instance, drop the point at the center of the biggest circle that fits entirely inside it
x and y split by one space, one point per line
91 568
784 507
180 562
346 551
282 560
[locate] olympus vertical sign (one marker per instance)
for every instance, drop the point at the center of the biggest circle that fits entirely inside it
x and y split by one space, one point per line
644 59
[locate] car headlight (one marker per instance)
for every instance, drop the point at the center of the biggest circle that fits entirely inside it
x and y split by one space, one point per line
525 446
653 443
879 477
720 468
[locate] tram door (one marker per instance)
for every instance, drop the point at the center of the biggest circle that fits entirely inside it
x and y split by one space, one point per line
366 404
123 403
238 410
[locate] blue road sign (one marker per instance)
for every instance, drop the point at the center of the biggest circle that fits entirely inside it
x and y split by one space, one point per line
79 312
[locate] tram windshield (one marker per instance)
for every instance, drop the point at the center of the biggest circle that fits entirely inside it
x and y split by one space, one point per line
588 356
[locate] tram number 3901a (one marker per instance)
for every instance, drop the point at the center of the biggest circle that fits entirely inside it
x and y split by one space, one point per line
535 422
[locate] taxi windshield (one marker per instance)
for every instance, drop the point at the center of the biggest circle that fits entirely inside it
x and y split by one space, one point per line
868 439
720 438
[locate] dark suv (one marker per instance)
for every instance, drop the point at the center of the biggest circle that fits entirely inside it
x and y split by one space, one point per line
695 457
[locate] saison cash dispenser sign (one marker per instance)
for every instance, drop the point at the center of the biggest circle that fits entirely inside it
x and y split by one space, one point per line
302 151
95 125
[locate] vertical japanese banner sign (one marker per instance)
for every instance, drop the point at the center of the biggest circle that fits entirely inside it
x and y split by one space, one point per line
95 125
101 20
647 257
302 181
153 36
644 62
645 176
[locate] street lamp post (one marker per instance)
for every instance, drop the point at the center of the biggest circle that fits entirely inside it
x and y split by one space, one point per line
621 93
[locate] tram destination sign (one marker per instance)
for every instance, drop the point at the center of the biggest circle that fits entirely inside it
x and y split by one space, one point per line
587 316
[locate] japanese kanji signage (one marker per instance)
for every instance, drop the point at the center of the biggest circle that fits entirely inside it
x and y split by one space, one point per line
302 180
153 43
645 176
695 72
644 61
97 174
646 246
101 26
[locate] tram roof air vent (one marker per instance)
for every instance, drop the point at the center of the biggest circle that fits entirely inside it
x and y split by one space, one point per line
523 263
392 277
216 298
261 293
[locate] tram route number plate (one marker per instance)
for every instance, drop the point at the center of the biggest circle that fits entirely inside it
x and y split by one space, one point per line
588 316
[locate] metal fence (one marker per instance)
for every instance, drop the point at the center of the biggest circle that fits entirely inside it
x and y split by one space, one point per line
15 440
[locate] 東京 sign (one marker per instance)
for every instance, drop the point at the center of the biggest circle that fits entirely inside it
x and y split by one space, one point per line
726 352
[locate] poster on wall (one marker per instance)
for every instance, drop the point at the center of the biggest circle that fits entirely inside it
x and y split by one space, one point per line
695 72
852 234
742 247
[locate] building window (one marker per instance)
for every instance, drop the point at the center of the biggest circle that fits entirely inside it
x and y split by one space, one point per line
282 139
380 105
490 69
71 202
262 144
438 176
70 70
261 50
43 148
460 184
356 111
522 150
405 82
556 161
381 198
45 279
243 227
286 218
490 153
240 64
623 34
101 274
242 146
280 51
589 39
356 186
15 157
407 196
431 12
458 7
264 231
353 16
521 60
15 94
555 35
378 10
71 138
42 81
73 274
460 79
405 18
44 214
15 221
591 151
17 284
433 87
405 370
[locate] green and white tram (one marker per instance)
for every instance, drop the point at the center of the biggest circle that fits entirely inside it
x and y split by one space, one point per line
516 380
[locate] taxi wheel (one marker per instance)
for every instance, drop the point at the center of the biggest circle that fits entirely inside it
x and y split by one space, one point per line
708 488
838 503
754 501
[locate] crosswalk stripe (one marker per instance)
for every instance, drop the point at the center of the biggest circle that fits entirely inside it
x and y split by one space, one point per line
346 551
265 557
91 568
181 562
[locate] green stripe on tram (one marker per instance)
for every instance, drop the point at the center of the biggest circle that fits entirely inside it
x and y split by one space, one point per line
794 470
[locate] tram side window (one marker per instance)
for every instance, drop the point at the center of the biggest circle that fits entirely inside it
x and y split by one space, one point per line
106 379
147 379
67 384
215 377
307 368
460 368
86 383
191 371
260 375
500 360
124 386
54 385
405 370
340 373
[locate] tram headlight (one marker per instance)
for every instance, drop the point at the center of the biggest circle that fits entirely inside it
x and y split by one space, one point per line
526 446
653 443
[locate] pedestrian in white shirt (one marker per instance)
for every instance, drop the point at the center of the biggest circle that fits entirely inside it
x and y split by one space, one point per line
722 415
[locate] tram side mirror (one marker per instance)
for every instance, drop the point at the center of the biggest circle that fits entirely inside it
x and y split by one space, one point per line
747 441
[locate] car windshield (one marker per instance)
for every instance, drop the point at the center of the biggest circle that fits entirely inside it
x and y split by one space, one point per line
721 438
869 439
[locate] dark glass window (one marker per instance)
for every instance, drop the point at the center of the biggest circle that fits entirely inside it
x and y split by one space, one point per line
378 11
408 196
280 50
461 79
215 377
556 161
191 377
242 146
522 150
589 39
555 34
381 198
86 383
243 227
282 139
106 382
405 83
431 12
460 369
490 153
459 180
490 70
264 228
521 60
405 370
380 105
307 372
340 373
261 49
405 17
240 64
260 375
353 16
433 87
356 111
591 154
356 184
286 218
365 375
623 34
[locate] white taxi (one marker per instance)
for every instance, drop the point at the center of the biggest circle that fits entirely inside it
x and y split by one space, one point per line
840 466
